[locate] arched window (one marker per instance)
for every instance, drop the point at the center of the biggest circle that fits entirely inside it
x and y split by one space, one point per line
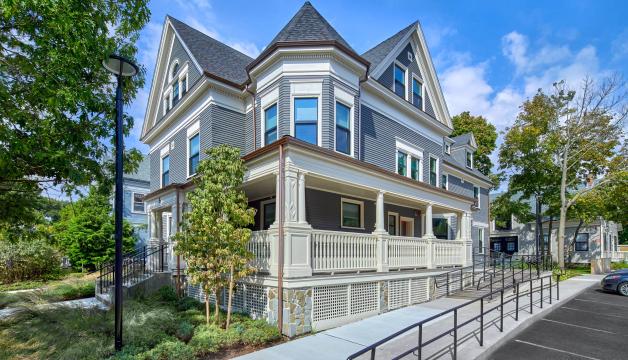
175 69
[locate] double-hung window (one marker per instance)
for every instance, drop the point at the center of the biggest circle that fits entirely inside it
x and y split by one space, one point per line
270 124
582 242
469 159
343 128
443 181
184 85
268 211
194 154
165 170
306 119
352 213
433 171
476 196
417 93
401 163
415 166
400 81
138 203
175 93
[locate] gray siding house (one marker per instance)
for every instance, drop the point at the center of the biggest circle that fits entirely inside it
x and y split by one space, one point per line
352 150
135 186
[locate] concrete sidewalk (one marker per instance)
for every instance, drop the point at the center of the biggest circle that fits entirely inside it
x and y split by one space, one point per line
87 303
340 342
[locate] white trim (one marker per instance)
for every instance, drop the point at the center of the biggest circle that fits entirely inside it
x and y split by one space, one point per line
307 89
405 79
341 100
479 194
396 215
481 242
352 201
261 211
437 170
411 151
263 122
479 224
466 154
192 131
446 181
161 168
133 202
407 219
420 81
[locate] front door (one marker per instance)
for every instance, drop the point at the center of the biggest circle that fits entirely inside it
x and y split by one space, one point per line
406 226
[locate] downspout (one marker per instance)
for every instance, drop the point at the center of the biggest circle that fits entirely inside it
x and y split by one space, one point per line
280 257
366 77
254 118
177 220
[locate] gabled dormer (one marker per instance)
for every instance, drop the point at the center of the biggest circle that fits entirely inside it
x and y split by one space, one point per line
463 149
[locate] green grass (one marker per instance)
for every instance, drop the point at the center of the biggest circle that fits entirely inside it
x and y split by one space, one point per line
72 287
154 328
572 270
619 265
64 276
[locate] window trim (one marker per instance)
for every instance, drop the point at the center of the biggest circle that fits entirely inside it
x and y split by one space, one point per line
446 175
319 122
182 73
405 77
161 169
447 148
575 243
410 152
261 211
481 240
420 81
351 147
133 202
468 154
479 195
190 136
396 215
263 124
407 219
437 170
356 202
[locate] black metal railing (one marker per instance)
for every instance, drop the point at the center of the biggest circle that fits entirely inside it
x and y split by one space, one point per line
136 266
457 325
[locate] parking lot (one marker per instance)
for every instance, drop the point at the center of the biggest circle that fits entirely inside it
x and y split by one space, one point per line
593 325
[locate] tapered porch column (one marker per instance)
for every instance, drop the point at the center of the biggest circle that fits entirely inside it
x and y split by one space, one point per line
379 213
467 240
429 233
154 235
459 226
301 199
381 233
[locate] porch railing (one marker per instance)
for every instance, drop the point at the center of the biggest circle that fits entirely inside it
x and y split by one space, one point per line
260 246
334 251
448 252
407 252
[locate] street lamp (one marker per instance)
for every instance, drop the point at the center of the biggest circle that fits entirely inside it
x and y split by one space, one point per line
120 67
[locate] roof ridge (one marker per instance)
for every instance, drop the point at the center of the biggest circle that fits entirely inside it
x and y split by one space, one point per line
377 53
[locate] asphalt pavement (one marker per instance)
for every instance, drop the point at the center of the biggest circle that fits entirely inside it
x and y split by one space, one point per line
593 325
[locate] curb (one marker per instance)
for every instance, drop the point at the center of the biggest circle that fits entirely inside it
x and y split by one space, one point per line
523 325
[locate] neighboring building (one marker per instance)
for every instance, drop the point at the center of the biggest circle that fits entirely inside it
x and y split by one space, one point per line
370 169
135 187
593 241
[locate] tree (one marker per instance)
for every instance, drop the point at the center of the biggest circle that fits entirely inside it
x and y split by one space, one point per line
506 205
214 233
485 136
85 231
526 156
56 100
587 135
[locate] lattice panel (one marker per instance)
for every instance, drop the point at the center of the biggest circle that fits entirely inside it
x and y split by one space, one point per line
330 302
256 301
364 298
238 297
419 290
398 294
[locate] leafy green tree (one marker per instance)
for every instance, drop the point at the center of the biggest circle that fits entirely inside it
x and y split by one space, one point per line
485 136
56 100
85 232
214 233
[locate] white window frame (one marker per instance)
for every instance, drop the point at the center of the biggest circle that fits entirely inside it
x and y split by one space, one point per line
481 239
183 73
269 99
437 169
193 130
410 151
414 76
307 89
405 76
263 124
164 152
446 183
479 194
352 201
407 219
396 215
133 202
465 159
347 100
447 148
261 210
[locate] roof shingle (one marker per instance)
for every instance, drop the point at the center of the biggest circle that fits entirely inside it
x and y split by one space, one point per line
377 54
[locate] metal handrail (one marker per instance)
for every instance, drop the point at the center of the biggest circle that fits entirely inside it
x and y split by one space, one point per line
135 266
373 347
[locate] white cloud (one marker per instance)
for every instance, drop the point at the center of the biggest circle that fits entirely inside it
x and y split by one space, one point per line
619 47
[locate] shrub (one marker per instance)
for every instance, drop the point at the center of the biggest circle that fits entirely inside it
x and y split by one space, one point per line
26 260
258 332
168 350
148 325
187 303
167 294
185 331
206 339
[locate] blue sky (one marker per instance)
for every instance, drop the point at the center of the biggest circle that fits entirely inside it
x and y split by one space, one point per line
489 55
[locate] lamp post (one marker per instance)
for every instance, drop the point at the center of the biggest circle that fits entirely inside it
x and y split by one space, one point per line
120 67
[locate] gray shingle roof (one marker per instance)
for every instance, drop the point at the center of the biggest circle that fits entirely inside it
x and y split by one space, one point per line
143 171
452 161
308 25
377 54
213 56
462 139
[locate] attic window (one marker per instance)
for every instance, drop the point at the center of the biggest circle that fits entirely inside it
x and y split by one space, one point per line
469 159
399 81
447 148
175 69
410 56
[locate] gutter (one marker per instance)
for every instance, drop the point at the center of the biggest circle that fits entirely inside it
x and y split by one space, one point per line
280 260
254 116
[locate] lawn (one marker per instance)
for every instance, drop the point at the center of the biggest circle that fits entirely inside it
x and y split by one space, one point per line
572 270
160 327
72 286
62 277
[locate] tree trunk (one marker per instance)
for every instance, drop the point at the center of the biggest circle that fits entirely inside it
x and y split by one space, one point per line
573 240
560 252
206 308
538 233
231 285
563 207
549 237
217 306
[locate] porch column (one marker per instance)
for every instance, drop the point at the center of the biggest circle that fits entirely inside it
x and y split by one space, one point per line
458 226
467 255
381 234
429 233
301 199
152 219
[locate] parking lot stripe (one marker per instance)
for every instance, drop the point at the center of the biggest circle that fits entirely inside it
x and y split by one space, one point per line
554 349
593 312
600 302
578 326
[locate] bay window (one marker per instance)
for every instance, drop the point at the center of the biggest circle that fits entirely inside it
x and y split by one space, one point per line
270 124
193 154
306 119
165 170
343 130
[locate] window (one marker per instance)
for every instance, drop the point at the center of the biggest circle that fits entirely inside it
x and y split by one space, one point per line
138 203
165 170
306 119
400 81
481 241
270 124
401 163
417 93
268 214
392 223
175 93
510 246
194 154
546 238
469 159
476 196
582 242
167 104
184 85
415 165
175 69
497 246
352 213
440 228
447 149
443 181
343 131
433 171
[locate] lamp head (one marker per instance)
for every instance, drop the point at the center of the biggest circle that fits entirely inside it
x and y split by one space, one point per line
118 65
